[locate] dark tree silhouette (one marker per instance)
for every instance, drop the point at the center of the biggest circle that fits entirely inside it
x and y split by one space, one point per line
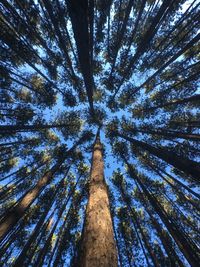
71 71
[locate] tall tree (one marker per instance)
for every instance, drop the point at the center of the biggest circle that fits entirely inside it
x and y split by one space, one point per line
97 246
68 68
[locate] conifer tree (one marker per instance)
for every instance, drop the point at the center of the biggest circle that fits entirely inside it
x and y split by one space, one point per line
67 70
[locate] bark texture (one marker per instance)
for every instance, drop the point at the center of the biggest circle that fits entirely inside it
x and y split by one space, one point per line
97 245
15 214
186 165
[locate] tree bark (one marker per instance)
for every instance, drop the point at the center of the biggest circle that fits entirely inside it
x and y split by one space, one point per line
189 250
179 183
120 37
144 238
27 141
14 215
168 133
166 241
25 128
187 166
172 59
97 246
78 12
146 40
191 99
23 255
191 124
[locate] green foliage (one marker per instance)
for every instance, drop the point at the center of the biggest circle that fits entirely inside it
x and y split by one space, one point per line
131 68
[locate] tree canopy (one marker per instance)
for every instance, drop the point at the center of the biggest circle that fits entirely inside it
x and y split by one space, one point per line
129 69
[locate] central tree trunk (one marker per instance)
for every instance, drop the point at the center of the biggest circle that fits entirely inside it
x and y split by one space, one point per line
97 246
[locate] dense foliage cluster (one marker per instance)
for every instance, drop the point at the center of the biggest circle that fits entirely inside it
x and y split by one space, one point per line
69 67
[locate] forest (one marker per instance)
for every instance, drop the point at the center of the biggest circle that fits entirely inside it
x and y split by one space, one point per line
99 133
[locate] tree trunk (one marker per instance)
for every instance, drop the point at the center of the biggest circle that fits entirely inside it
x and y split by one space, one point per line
26 128
192 124
135 219
145 40
190 251
172 59
78 12
120 38
27 141
191 99
23 255
179 183
14 215
187 166
144 238
178 191
166 241
169 133
97 246
163 235
67 226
